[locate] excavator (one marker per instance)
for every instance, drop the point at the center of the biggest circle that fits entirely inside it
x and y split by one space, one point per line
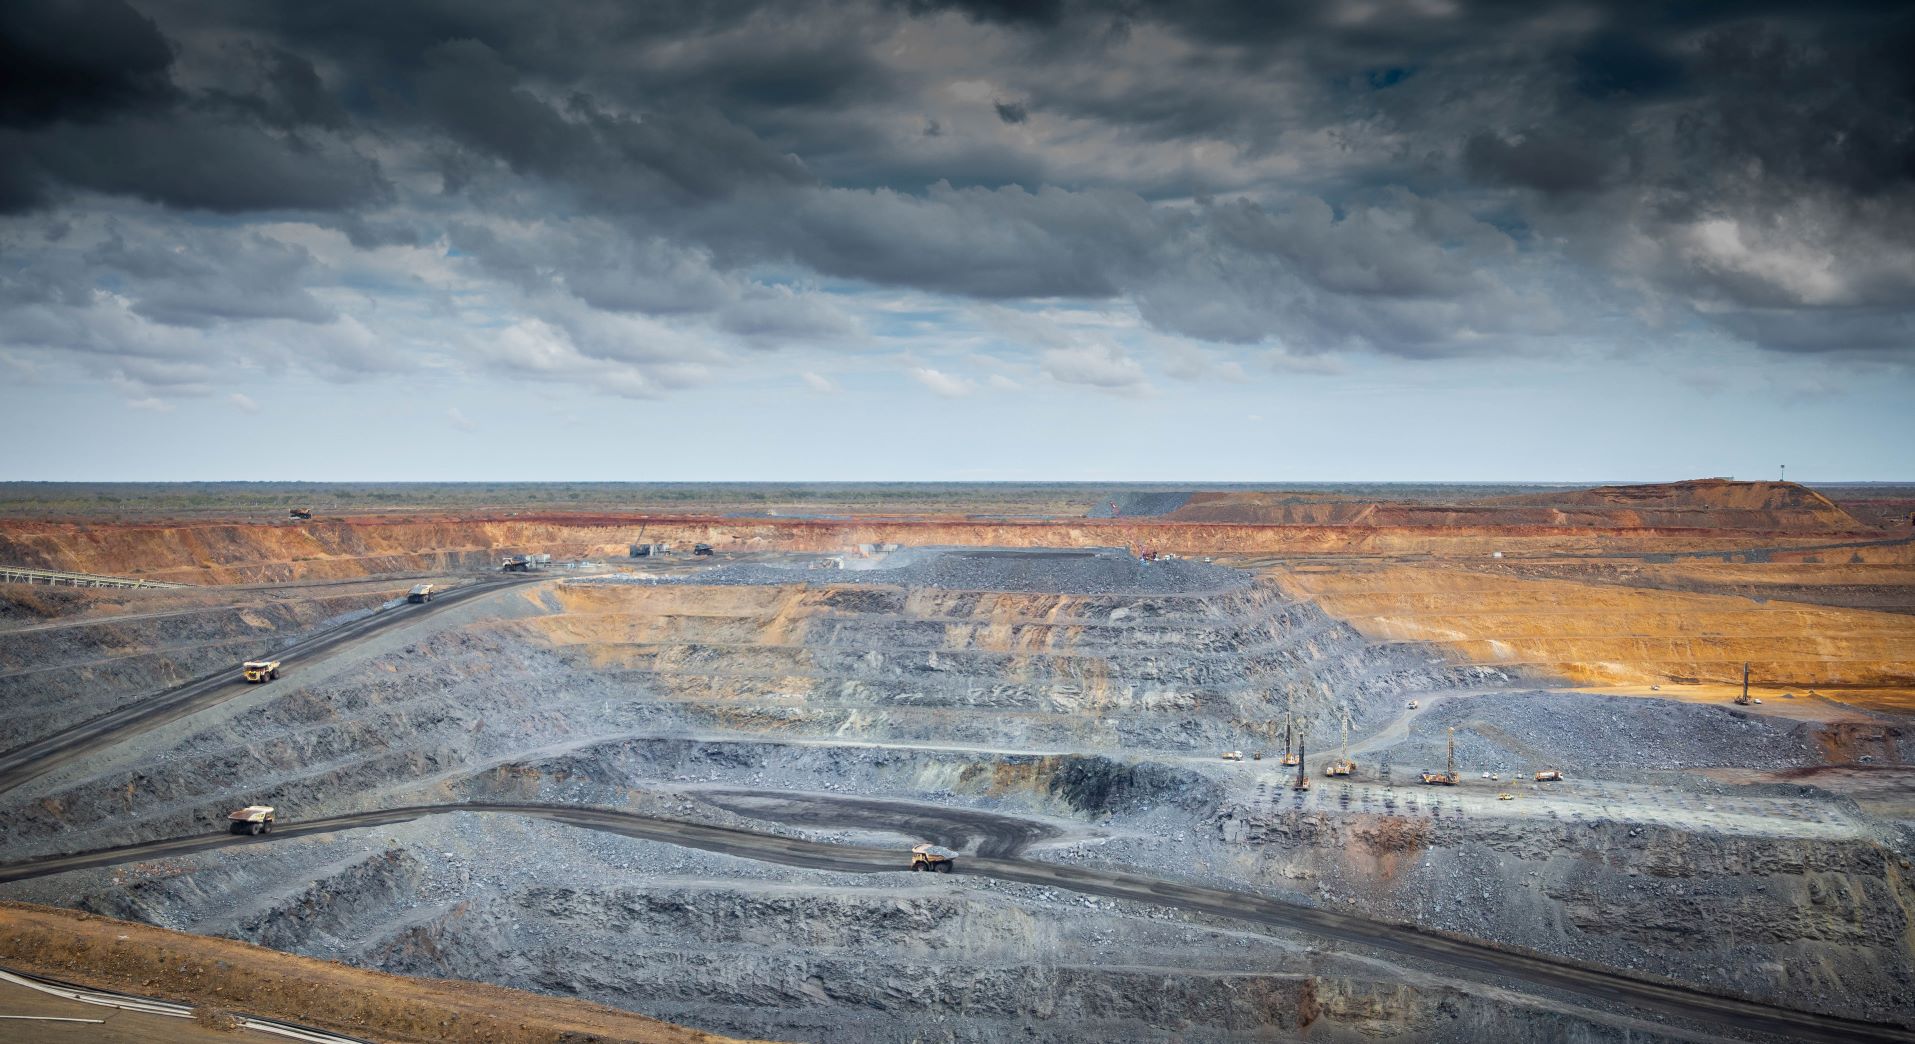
1448 777
1342 766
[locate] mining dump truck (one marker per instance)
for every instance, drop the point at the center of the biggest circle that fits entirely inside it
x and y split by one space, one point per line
702 550
935 858
1233 755
299 514
1447 777
1549 776
260 670
420 595
253 819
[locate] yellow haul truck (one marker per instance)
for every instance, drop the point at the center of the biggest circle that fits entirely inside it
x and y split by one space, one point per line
261 670
253 819
935 858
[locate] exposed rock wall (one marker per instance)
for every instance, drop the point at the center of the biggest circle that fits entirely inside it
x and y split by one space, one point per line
1816 923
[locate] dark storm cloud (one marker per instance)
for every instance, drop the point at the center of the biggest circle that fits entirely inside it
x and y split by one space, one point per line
73 60
196 159
659 159
1413 178
89 102
202 278
1007 12
1823 108
1552 164
290 94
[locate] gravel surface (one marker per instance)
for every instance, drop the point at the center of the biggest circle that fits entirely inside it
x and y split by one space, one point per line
1132 505
1602 735
1047 570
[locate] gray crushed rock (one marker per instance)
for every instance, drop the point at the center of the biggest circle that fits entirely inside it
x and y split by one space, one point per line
1045 570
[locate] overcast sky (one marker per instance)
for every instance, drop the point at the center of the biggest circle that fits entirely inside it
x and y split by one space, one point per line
1421 240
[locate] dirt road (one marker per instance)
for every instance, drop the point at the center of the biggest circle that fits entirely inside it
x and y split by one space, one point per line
1461 956
36 759
994 835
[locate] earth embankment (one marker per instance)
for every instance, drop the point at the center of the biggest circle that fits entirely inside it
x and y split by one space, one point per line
226 975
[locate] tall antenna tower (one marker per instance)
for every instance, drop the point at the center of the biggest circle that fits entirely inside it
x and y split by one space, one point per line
1289 727
1343 766
1447 777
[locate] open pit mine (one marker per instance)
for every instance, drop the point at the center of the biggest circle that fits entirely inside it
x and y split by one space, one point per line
1625 764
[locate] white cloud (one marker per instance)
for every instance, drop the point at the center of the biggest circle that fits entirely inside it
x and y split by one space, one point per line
24 369
1098 365
244 402
459 420
1003 383
1284 362
818 383
947 385
1185 362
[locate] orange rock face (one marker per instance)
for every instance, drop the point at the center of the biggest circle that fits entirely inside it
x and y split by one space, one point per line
235 552
1609 634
